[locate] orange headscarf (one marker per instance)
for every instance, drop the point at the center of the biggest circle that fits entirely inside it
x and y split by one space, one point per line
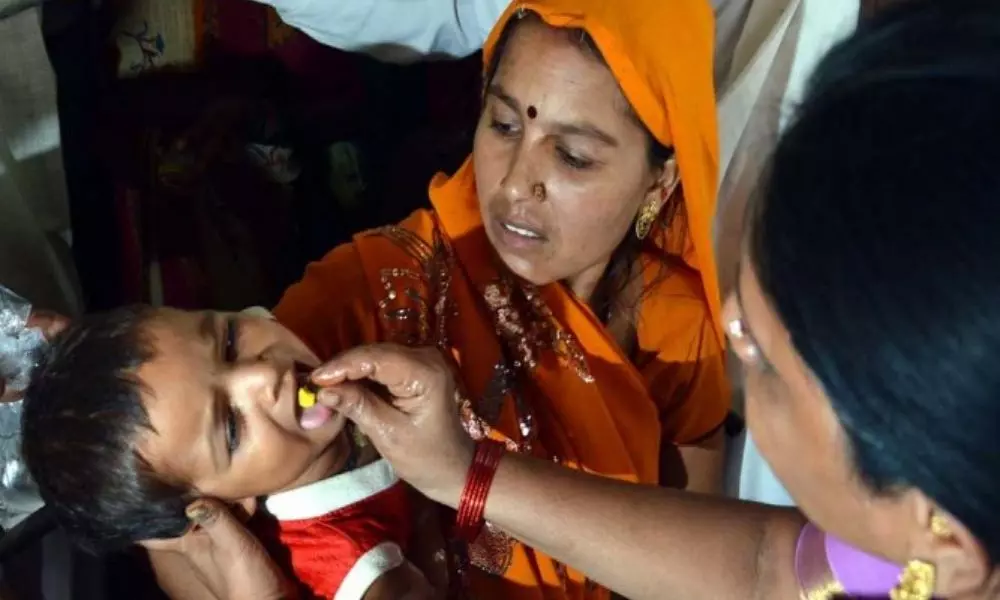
661 53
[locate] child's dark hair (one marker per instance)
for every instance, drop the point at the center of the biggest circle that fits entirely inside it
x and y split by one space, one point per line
82 415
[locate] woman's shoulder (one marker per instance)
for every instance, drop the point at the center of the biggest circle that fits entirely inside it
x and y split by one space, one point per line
410 242
402 245
674 315
337 302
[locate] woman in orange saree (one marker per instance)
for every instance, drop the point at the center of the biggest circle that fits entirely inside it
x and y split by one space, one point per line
566 267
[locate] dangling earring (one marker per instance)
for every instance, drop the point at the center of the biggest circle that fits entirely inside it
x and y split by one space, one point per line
916 582
647 216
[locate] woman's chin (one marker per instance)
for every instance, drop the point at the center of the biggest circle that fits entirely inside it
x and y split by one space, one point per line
525 270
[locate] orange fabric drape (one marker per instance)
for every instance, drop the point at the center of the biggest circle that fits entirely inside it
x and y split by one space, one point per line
594 409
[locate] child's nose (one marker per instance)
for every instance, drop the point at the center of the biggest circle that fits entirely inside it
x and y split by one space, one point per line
258 382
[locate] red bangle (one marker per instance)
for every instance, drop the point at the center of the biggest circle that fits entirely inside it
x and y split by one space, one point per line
472 506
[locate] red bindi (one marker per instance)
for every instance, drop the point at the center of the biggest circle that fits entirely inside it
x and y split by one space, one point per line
532 112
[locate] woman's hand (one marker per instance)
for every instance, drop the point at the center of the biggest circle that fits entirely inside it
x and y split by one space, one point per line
228 559
417 428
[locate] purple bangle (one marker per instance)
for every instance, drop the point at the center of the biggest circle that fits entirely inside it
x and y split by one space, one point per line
858 573
861 574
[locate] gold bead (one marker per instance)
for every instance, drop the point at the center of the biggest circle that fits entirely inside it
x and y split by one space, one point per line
916 582
827 591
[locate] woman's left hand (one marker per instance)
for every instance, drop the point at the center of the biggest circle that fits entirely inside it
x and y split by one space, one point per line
228 559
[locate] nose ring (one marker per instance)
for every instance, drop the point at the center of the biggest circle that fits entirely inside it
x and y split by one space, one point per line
538 191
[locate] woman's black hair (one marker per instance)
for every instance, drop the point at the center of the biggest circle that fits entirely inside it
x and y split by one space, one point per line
620 271
876 237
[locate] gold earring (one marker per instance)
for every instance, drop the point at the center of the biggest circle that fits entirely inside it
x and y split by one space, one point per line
916 582
647 216
940 527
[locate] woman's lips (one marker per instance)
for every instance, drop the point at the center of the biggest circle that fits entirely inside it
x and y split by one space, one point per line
518 234
522 230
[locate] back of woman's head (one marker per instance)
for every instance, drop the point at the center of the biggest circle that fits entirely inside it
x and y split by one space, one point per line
877 240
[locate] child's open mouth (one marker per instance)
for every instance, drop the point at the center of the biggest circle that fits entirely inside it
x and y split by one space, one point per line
311 414
314 417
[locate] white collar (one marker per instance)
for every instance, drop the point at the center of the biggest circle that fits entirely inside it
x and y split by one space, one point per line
331 494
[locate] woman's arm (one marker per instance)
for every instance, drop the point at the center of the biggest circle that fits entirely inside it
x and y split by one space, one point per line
702 465
643 542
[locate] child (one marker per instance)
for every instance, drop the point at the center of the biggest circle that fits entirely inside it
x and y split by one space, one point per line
133 414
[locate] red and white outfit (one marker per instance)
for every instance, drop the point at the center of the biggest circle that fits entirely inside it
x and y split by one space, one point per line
342 533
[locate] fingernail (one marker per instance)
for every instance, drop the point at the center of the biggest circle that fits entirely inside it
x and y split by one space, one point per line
200 513
330 398
321 375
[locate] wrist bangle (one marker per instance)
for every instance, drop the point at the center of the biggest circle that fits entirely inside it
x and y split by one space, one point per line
472 505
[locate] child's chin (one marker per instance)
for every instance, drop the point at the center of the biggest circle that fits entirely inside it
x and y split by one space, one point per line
329 461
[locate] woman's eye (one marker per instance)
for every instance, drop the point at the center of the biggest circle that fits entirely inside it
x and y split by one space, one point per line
502 128
232 341
234 430
573 161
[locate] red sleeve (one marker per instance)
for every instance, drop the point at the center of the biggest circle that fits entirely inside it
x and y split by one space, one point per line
351 547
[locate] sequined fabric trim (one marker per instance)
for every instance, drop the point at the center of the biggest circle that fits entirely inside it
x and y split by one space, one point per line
403 309
409 241
416 305
415 309
527 327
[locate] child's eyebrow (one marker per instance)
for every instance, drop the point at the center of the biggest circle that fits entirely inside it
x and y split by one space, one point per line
208 331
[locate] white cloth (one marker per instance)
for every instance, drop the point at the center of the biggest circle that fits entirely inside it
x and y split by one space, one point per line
333 493
402 31
398 31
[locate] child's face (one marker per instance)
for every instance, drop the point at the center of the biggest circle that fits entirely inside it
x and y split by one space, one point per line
221 396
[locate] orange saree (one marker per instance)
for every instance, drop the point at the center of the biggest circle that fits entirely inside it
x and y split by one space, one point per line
540 370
